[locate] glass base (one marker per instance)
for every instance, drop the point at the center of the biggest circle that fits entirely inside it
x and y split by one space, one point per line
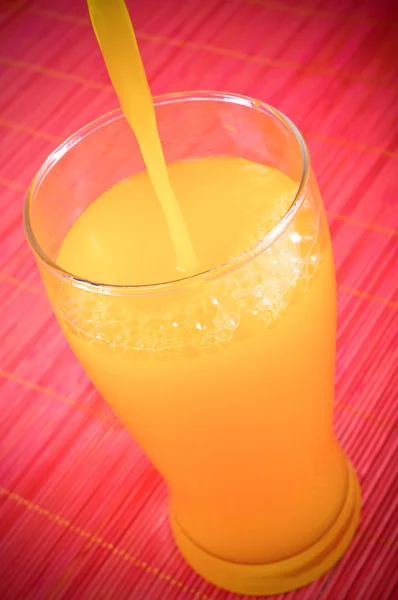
285 575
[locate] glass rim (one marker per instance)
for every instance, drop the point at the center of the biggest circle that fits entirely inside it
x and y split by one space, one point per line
209 274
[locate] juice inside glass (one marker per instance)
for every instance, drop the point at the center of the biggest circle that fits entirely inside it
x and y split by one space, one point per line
224 376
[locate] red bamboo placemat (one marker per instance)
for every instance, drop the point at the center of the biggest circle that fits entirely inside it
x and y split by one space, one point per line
82 512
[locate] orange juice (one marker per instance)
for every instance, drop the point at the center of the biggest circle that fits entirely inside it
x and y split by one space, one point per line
116 37
227 385
200 298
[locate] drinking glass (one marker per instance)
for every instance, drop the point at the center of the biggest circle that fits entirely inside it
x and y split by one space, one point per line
224 378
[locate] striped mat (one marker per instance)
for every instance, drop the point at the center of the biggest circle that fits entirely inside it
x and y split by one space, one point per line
82 512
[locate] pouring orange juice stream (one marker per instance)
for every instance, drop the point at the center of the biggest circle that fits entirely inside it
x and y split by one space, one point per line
116 37
226 366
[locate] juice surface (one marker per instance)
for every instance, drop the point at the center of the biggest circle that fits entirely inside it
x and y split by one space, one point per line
229 204
228 386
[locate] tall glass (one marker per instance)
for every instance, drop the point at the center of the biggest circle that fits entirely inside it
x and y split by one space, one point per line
224 378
